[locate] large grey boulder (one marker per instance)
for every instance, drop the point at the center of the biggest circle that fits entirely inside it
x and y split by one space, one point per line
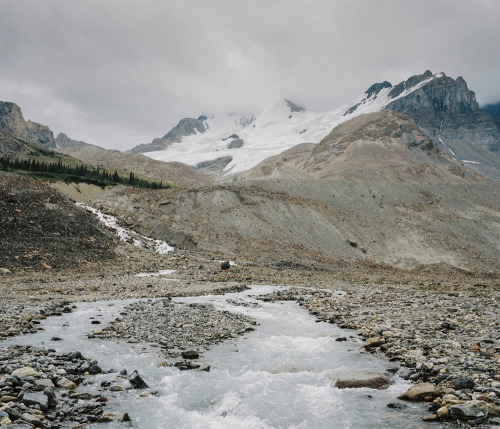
358 379
469 411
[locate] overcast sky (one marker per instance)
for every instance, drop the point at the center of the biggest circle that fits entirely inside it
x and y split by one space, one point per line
121 72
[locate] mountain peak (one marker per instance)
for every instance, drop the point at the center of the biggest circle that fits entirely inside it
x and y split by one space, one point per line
12 121
294 107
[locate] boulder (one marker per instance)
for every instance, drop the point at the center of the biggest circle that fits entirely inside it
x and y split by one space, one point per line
66 384
225 265
463 383
137 381
421 392
493 409
430 418
9 398
357 379
469 411
52 401
442 412
190 354
5 271
373 342
42 383
32 399
25 371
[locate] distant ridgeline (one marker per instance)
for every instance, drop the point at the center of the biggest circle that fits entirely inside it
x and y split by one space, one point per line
78 173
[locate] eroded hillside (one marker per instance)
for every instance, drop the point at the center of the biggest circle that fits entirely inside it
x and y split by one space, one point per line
403 225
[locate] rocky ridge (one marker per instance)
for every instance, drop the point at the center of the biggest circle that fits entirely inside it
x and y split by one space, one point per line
13 122
185 127
446 109
380 146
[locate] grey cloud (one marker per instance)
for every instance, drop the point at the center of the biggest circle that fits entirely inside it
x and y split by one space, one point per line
120 72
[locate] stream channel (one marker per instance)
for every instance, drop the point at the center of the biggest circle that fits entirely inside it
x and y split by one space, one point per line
274 377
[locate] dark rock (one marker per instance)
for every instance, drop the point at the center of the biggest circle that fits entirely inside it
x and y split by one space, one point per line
235 144
232 136
225 265
434 407
293 107
397 405
190 354
463 383
377 87
215 166
126 418
445 108
13 414
95 369
137 381
341 339
442 377
185 127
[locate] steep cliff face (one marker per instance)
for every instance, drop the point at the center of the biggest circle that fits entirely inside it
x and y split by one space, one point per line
446 110
13 122
494 111
185 127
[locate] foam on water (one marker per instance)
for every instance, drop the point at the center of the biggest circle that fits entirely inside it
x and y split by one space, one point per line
278 376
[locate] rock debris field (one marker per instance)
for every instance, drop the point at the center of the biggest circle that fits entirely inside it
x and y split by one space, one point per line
444 339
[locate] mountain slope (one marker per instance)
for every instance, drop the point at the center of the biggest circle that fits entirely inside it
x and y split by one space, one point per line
42 229
319 222
444 108
173 172
383 145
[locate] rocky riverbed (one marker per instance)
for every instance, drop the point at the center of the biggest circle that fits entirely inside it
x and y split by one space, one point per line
449 339
442 330
40 388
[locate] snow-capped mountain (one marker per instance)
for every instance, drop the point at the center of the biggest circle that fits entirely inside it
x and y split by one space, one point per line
237 143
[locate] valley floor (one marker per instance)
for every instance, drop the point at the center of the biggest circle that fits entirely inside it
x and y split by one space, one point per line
442 327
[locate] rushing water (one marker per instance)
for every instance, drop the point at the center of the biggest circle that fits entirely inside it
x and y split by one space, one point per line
278 376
